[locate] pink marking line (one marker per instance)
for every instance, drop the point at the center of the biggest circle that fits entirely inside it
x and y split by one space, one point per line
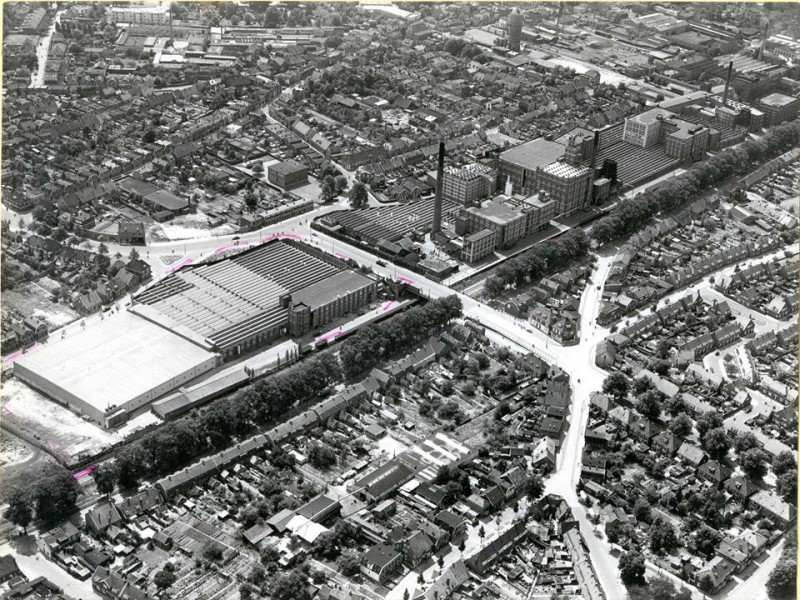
406 280
342 256
19 354
180 265
232 246
281 236
387 305
330 336
84 473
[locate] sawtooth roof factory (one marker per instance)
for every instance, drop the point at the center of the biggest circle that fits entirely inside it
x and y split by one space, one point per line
189 323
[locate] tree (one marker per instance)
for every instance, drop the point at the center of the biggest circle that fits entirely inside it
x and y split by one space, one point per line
327 192
632 568
786 485
19 510
348 563
641 385
782 582
641 510
662 538
745 441
251 200
649 404
164 579
102 249
494 286
149 136
534 486
784 462
358 195
753 463
133 254
291 586
681 426
105 478
339 183
706 584
55 498
617 386
707 421
717 443
322 456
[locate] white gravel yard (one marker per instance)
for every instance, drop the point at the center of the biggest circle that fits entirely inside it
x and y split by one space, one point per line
59 429
13 452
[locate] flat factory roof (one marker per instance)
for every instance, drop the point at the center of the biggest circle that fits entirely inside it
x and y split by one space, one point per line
536 153
326 291
115 361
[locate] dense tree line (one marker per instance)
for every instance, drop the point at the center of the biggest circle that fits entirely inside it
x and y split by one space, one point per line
375 343
782 584
215 427
632 214
542 260
49 499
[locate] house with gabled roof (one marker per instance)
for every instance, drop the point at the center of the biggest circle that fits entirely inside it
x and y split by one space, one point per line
691 454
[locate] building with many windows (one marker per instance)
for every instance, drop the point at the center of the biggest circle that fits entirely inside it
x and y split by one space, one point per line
518 165
478 245
779 108
468 185
567 184
287 174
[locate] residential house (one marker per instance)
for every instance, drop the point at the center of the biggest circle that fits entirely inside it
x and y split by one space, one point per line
691 454
714 472
381 562
718 571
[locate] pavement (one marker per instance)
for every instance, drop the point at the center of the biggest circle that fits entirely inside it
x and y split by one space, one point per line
36 565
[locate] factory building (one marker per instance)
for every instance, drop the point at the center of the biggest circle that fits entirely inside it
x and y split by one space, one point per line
519 164
469 185
188 323
567 184
478 245
779 108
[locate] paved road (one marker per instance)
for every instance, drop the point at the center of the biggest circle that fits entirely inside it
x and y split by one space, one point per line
42 51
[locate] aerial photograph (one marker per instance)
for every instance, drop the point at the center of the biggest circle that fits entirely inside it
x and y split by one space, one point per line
399 300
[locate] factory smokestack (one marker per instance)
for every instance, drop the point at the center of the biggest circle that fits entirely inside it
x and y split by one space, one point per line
763 41
727 84
592 167
436 226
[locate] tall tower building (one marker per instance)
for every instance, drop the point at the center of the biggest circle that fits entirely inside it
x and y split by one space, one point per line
514 29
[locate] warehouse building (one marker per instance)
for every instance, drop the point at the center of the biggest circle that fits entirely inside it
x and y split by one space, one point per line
288 174
248 301
519 164
188 323
108 371
779 108
468 185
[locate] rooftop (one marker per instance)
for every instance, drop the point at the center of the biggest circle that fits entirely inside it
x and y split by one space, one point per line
326 291
536 153
777 99
565 171
113 362
497 210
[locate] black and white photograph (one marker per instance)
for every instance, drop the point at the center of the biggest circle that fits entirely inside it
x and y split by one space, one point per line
379 300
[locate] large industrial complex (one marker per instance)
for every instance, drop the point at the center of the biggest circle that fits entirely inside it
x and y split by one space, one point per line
188 323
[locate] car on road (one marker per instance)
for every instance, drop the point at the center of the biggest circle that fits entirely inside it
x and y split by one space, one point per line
380 263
